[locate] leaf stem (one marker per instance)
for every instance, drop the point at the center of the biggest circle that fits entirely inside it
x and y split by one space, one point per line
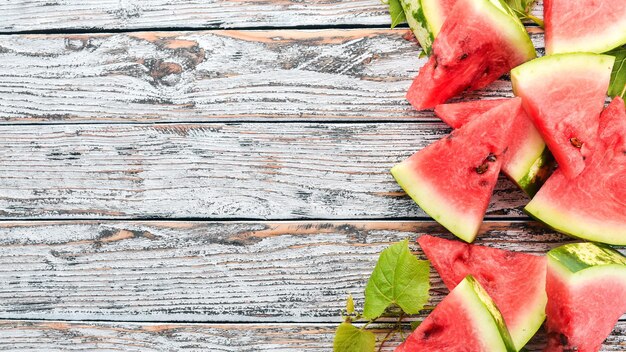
389 334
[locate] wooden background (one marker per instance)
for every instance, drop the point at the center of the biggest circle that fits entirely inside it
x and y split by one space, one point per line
209 175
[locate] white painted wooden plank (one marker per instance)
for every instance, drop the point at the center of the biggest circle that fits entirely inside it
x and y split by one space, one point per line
248 170
216 75
209 271
102 336
29 15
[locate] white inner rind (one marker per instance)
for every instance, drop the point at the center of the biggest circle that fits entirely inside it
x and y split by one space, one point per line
434 204
577 225
539 71
482 318
595 42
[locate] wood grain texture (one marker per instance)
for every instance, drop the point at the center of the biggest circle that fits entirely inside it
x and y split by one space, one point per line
83 336
206 271
209 271
217 75
244 170
30 15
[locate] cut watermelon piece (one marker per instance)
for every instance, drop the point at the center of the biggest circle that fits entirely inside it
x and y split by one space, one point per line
584 25
593 205
515 281
586 287
466 320
564 95
479 42
529 163
453 178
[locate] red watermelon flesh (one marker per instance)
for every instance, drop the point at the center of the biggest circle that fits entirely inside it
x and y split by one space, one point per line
452 179
564 95
466 320
478 43
592 205
515 281
529 163
586 286
584 25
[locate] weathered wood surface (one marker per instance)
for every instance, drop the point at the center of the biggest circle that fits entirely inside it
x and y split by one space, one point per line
209 271
215 75
102 336
244 170
37 15
203 271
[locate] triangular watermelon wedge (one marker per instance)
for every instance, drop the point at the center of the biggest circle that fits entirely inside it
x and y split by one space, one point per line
466 320
480 41
564 95
515 281
452 179
586 286
592 205
584 25
529 163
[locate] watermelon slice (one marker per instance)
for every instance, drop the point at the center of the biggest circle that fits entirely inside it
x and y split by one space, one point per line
453 178
586 287
466 320
564 95
515 281
480 41
529 163
584 25
593 205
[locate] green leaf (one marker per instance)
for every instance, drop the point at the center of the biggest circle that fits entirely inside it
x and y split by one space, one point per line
349 338
618 76
522 8
350 305
397 13
399 278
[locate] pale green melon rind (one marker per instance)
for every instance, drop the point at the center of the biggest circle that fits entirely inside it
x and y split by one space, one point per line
576 257
417 22
576 225
431 11
434 204
486 315
595 42
541 69
533 318
535 175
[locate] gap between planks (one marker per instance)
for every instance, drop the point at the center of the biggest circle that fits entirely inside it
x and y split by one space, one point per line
26 15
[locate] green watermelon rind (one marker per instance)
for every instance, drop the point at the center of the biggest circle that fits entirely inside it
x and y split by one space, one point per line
578 257
576 225
533 176
611 38
577 263
486 315
419 25
434 204
433 19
